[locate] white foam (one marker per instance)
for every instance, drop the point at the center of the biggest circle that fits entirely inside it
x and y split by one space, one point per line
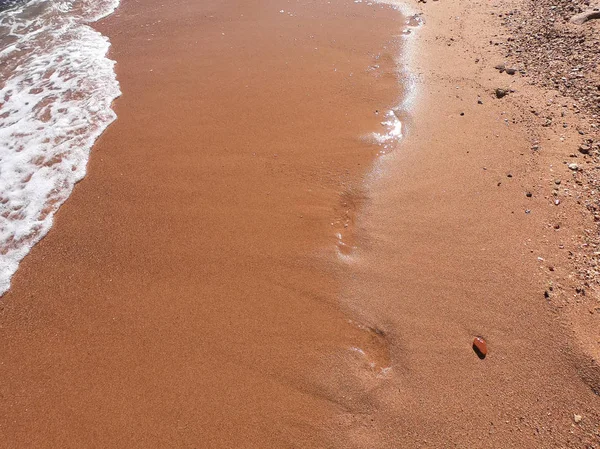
56 91
393 127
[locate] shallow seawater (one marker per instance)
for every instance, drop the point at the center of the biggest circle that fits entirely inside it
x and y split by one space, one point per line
56 90
6 4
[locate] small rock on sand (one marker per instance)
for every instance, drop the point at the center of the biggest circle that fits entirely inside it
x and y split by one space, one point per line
480 347
577 418
584 149
573 167
501 92
580 19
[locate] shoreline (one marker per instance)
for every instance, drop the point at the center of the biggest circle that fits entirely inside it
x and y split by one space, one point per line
456 243
292 284
187 292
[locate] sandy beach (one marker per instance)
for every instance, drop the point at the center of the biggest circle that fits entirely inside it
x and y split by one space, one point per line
252 261
187 294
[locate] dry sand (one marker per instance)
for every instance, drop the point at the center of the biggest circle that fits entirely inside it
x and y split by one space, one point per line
193 291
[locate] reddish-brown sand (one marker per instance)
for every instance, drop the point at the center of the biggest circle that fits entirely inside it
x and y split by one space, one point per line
194 292
188 293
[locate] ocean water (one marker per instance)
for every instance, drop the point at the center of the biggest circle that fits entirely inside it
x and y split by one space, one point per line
57 86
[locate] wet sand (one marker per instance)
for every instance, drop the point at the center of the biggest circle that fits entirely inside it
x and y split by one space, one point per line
188 293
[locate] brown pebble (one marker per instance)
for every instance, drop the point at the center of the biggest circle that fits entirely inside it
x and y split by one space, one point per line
480 347
584 149
501 93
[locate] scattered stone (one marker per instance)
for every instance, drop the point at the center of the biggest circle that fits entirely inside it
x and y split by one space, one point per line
462 113
479 101
584 149
480 347
573 167
510 71
577 418
500 67
527 211
529 194
500 93
546 294
556 54
556 202
509 175
557 182
535 147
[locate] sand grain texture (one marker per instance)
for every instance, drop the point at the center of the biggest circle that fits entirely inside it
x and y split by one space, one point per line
240 268
187 295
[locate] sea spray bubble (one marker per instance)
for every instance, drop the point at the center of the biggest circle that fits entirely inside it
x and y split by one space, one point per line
56 91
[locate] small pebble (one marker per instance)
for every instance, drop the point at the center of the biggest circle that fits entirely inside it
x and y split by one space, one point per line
529 194
584 149
577 418
573 167
480 347
501 93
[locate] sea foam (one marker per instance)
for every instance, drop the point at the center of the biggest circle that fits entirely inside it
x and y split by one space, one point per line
56 90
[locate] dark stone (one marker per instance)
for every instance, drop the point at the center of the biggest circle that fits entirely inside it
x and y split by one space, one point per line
500 93
584 149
